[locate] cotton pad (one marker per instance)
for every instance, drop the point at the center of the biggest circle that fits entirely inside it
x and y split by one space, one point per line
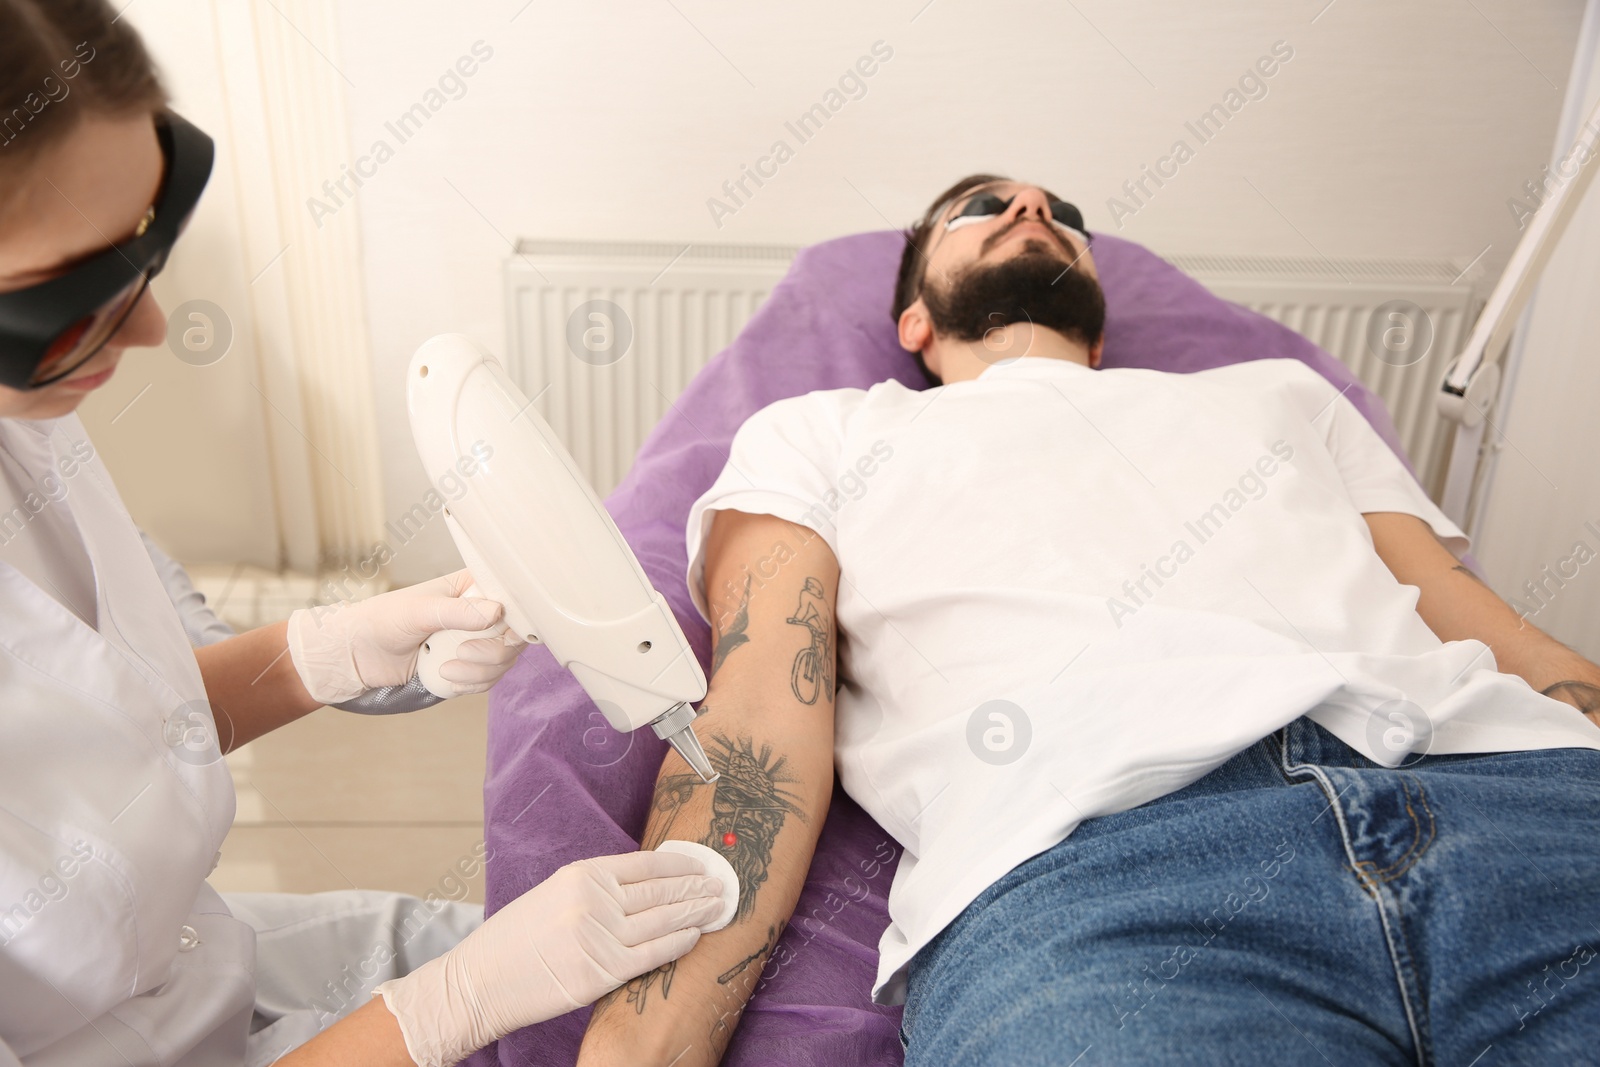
717 867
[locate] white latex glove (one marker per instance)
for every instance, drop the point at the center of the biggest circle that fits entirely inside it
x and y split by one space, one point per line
564 943
343 650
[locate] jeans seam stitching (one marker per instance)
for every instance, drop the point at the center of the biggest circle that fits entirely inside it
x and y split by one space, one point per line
1383 916
1419 846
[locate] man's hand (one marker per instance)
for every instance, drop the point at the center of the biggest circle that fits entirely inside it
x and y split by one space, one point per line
1457 607
768 726
1585 696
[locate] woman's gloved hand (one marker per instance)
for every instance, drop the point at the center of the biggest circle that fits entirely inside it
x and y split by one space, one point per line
564 943
346 649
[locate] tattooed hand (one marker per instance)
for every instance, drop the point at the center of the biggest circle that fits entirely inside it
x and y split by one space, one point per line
768 729
1582 695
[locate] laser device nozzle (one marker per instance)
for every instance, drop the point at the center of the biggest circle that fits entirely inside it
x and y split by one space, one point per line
676 729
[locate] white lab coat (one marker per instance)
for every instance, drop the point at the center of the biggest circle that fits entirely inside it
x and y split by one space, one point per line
113 805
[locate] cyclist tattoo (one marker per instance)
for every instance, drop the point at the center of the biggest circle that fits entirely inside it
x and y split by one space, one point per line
813 667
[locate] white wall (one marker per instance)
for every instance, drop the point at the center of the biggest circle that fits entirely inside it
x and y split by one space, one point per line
1394 130
187 444
1540 536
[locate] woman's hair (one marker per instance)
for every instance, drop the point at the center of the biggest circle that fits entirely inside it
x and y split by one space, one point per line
59 61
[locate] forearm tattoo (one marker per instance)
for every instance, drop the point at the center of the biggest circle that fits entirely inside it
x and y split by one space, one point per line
748 809
735 635
739 983
749 804
1583 695
813 667
637 991
673 794
758 957
1462 567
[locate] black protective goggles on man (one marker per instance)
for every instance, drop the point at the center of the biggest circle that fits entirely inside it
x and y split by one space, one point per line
983 206
49 330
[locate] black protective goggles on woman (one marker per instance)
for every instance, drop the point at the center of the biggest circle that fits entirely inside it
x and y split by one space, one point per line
49 330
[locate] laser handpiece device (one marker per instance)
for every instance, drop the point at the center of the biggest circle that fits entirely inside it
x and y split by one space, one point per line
537 539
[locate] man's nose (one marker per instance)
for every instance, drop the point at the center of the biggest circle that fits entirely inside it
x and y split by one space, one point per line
1031 203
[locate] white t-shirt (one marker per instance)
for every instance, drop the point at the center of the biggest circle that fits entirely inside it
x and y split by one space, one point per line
1066 592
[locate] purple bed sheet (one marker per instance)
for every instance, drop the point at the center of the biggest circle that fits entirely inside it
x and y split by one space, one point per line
562 785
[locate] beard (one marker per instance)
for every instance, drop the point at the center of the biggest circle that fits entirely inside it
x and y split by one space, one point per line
1034 286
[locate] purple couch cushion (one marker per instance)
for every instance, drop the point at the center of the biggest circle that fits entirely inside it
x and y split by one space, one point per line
562 786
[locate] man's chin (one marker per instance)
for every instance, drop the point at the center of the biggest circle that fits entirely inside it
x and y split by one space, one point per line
1037 246
1033 282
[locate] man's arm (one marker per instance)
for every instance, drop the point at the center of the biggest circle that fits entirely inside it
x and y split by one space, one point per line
1457 606
767 724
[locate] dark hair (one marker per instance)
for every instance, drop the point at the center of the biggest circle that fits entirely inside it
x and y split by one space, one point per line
914 258
61 60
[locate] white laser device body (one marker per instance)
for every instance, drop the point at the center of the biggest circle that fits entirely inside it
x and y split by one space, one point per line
537 539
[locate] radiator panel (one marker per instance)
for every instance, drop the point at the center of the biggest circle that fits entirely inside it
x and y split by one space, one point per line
683 305
1332 302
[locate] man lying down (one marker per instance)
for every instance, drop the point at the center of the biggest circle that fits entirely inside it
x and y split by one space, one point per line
1202 744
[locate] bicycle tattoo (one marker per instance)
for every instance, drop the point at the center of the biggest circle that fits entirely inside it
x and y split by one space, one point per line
813 667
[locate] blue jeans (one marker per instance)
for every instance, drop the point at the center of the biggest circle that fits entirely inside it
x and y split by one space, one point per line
1300 904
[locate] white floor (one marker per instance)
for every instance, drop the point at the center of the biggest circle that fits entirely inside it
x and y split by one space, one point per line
342 801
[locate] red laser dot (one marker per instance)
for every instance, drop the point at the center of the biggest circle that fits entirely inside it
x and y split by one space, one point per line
730 839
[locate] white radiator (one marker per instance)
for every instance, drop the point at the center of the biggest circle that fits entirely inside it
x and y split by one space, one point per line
1333 302
605 335
603 374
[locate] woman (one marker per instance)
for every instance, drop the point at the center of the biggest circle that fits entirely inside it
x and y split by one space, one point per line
113 949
